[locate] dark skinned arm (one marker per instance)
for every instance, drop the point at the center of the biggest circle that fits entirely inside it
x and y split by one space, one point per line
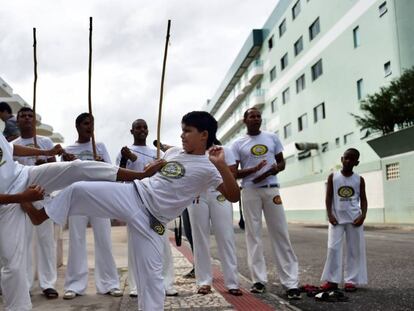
328 201
364 204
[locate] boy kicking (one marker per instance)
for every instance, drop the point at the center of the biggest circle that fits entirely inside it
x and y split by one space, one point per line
17 185
346 205
147 205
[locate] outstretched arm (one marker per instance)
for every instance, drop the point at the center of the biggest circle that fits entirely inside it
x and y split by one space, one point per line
229 188
129 175
23 151
33 193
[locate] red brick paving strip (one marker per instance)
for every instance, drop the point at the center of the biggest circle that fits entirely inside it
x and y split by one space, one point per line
247 302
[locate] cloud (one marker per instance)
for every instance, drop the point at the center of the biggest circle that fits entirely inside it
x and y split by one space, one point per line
128 46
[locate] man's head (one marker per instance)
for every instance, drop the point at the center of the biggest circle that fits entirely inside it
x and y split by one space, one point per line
25 118
84 125
5 111
253 120
350 159
139 130
199 131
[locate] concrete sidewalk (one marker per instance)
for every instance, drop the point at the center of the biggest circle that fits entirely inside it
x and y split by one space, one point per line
186 300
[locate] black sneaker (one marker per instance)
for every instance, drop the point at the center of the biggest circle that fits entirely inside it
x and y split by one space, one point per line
189 275
258 288
293 293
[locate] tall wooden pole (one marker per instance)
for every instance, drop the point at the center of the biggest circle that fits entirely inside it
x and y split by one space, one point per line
167 39
34 87
89 88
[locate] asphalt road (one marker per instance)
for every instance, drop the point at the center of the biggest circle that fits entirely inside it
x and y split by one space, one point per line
390 255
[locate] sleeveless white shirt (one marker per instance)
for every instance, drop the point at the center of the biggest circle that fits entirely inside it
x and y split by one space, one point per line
346 197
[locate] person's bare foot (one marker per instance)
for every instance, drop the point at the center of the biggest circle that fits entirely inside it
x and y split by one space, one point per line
36 216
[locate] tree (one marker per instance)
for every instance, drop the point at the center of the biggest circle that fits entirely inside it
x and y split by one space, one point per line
391 106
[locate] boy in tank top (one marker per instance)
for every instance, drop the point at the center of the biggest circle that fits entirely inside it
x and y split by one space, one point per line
346 205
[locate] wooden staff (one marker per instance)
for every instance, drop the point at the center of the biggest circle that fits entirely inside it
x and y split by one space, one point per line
167 39
89 88
34 87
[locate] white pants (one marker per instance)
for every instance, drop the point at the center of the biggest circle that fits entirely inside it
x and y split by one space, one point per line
168 264
106 275
208 208
13 253
120 201
356 263
255 201
41 240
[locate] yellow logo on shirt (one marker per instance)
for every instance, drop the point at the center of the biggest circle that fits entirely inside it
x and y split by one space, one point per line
259 150
173 169
1 157
221 198
346 192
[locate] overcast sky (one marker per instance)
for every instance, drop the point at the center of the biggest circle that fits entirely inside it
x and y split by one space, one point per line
128 43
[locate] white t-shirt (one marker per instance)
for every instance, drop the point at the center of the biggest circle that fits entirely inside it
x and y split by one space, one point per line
12 174
145 155
251 150
170 191
44 143
346 197
83 151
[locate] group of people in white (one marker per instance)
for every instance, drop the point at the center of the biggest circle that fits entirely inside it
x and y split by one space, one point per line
150 192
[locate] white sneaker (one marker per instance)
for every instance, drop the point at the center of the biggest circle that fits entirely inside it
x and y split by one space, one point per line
115 292
171 292
133 294
69 294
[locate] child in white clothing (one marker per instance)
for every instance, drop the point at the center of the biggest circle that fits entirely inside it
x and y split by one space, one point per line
346 205
147 205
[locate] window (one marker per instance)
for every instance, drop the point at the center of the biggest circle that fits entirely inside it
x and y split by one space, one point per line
317 70
319 112
298 47
296 9
273 73
356 37
360 88
314 29
383 8
387 68
300 83
284 61
302 122
337 142
348 138
273 105
325 147
287 130
393 171
270 42
285 96
282 28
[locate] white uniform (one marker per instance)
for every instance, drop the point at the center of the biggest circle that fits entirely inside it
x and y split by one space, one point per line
45 248
346 208
264 197
213 206
163 195
15 178
145 155
106 275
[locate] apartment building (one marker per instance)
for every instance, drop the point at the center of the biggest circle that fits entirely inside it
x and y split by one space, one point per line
308 69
